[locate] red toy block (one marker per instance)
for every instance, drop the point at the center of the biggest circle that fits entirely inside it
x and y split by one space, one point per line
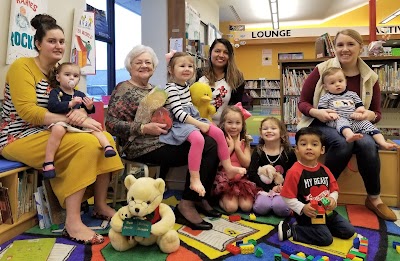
234 218
363 249
233 249
314 203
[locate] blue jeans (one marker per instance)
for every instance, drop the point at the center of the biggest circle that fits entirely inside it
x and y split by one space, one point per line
322 235
339 152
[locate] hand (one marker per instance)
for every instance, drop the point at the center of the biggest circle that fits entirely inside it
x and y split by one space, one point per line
333 115
76 117
325 115
238 143
229 141
88 102
309 211
154 128
332 205
76 100
91 124
277 188
204 127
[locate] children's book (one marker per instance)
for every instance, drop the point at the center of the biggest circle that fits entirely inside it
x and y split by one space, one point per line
30 249
56 212
5 207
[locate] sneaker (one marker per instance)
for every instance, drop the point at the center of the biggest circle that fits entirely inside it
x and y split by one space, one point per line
284 231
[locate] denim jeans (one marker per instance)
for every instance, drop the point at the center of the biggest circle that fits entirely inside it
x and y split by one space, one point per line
339 152
322 235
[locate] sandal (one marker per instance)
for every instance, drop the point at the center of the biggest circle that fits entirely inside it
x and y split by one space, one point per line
51 173
96 215
95 240
109 151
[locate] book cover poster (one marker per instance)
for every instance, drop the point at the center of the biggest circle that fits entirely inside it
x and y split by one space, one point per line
100 21
83 50
20 41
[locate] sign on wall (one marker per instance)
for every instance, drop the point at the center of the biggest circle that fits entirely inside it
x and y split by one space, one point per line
83 50
20 35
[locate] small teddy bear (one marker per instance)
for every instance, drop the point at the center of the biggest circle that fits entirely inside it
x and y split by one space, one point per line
269 173
144 207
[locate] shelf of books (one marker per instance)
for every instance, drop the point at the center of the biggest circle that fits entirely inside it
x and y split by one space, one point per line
265 93
17 205
294 73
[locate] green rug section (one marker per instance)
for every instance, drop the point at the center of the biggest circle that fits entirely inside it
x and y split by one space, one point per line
269 219
342 211
148 253
391 252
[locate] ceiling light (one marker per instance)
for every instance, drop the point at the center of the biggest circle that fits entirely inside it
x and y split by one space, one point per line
390 17
273 6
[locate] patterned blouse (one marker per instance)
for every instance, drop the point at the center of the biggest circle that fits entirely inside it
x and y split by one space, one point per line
120 122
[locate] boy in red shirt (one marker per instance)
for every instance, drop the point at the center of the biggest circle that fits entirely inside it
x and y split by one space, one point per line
310 180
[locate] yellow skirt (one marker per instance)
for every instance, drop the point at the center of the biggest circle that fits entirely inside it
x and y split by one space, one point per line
78 160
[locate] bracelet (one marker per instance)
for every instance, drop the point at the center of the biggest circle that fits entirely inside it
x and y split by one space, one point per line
141 129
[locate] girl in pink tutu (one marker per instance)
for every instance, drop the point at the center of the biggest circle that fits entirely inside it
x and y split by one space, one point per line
235 191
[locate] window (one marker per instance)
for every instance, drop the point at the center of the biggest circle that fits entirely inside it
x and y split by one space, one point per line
113 42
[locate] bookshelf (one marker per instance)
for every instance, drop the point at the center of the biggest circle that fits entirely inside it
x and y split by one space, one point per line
264 92
294 72
23 209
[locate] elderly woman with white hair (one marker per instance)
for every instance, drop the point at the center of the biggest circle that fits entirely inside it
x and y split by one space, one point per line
145 146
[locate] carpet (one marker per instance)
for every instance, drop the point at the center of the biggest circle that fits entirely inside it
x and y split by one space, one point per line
381 234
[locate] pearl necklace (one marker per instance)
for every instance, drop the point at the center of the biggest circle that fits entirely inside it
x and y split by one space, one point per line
273 162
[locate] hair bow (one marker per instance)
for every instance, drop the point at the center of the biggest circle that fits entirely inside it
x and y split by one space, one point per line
246 113
169 56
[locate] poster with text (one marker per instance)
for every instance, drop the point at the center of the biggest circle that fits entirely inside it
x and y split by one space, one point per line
20 35
83 52
192 21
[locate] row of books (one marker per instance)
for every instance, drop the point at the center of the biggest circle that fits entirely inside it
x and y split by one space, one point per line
291 113
324 46
389 76
5 206
26 187
293 81
390 100
262 84
48 208
266 94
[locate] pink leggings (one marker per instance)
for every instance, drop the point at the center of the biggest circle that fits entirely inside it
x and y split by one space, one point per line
196 140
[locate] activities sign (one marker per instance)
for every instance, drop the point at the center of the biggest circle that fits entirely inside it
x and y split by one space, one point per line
20 37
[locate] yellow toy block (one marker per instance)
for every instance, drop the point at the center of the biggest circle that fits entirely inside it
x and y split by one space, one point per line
357 259
318 220
301 254
398 249
252 216
246 249
325 258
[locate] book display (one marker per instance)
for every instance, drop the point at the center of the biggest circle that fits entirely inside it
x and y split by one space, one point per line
264 92
17 204
294 73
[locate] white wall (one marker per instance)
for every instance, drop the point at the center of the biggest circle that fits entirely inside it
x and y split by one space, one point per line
62 11
208 9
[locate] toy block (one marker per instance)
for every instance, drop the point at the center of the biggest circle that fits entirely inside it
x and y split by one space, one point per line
284 255
346 259
301 254
277 257
395 243
358 254
293 257
317 258
319 219
329 213
310 258
287 250
252 241
350 256
325 202
234 218
314 203
398 249
239 242
259 252
325 258
364 242
233 249
357 259
246 249
363 249
252 216
356 242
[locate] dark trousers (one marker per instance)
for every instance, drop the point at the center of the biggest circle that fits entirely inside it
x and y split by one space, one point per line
339 152
176 156
322 235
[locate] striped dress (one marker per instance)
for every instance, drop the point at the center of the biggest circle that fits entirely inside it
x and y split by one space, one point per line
180 105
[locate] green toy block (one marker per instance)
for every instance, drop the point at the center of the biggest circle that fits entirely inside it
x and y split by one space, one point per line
259 252
278 257
252 241
358 254
325 202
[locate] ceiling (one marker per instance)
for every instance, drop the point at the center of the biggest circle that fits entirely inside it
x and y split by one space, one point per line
291 12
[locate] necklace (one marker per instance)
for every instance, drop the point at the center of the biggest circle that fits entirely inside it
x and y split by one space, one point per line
270 161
